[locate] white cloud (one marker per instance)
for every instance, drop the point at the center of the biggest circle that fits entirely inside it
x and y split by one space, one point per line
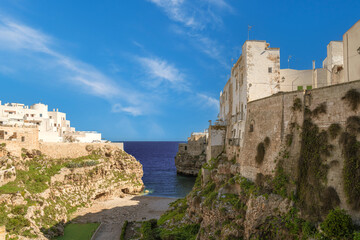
135 111
209 101
193 14
19 38
204 44
161 71
177 11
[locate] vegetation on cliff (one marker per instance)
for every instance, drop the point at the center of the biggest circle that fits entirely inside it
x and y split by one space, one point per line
47 191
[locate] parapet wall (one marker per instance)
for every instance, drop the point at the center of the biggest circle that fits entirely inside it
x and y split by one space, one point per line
19 137
72 150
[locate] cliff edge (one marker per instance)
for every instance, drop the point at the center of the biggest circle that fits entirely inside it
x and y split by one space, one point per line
43 192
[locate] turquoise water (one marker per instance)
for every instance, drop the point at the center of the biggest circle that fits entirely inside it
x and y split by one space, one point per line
160 176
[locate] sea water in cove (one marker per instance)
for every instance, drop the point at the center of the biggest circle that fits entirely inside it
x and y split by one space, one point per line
158 162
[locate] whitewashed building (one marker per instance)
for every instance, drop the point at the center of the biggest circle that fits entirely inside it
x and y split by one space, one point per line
257 75
53 125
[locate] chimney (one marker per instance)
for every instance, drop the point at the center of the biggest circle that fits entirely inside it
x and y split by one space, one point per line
313 64
57 109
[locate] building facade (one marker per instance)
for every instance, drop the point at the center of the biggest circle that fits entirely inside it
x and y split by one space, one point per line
52 125
257 75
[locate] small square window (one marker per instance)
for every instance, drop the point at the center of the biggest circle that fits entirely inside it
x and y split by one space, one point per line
270 70
300 88
23 139
308 87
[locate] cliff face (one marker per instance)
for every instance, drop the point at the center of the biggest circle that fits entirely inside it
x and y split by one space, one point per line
46 191
290 178
191 155
188 164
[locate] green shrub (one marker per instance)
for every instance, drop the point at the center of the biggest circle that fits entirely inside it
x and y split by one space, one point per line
16 224
334 130
356 236
149 230
280 180
321 109
337 225
297 105
352 98
175 213
185 232
123 230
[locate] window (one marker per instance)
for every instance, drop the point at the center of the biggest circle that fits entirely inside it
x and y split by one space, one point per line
308 87
252 125
270 69
300 88
40 114
50 117
185 148
23 139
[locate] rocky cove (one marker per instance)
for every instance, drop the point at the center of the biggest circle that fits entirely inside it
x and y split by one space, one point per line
39 198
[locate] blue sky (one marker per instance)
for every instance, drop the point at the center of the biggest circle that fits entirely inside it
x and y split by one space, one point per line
150 69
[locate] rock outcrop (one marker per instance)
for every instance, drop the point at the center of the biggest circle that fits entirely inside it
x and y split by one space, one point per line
46 191
188 164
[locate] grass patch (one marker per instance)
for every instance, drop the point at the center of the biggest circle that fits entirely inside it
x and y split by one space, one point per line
176 212
79 231
123 230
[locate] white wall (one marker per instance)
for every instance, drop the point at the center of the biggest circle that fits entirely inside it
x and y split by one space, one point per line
351 41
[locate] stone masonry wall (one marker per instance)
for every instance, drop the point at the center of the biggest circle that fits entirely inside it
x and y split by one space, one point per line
69 150
17 138
274 118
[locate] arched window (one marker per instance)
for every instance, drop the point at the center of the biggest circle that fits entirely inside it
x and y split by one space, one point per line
252 123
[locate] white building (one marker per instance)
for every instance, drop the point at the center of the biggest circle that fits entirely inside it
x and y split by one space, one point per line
52 125
257 75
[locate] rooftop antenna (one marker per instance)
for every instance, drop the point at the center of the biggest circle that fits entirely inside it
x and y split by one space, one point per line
249 28
289 60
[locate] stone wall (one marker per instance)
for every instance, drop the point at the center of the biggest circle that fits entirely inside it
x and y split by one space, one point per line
70 150
20 137
274 118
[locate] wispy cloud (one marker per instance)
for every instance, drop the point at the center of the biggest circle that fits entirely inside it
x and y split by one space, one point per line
209 101
19 37
177 11
204 44
194 17
193 14
161 71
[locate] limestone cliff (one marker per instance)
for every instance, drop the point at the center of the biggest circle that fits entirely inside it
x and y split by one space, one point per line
46 191
188 164
296 177
191 155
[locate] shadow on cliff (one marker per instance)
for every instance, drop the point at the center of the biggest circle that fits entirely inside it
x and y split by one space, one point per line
138 208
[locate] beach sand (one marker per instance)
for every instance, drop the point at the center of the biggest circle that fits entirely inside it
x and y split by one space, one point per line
113 213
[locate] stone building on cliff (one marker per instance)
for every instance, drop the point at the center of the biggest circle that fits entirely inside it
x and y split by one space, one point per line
257 75
52 126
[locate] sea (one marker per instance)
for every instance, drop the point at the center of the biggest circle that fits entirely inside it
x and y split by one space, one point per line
158 160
